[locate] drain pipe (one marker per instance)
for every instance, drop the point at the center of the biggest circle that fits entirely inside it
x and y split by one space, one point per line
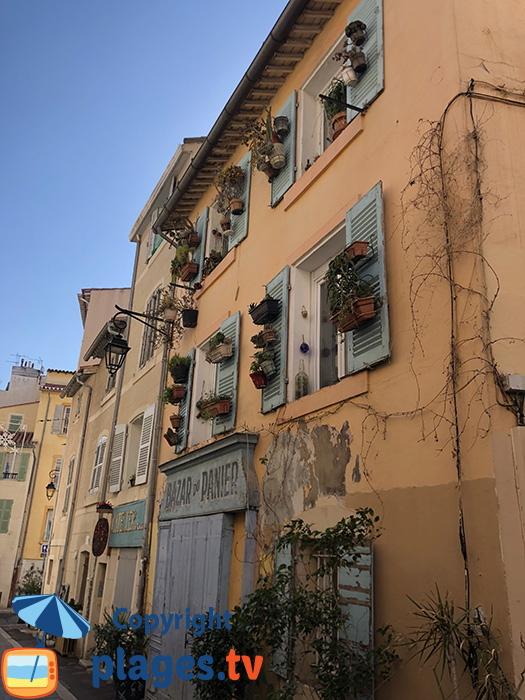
152 485
62 564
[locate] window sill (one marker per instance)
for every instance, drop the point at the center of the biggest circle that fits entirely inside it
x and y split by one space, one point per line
150 364
347 388
110 395
215 274
335 149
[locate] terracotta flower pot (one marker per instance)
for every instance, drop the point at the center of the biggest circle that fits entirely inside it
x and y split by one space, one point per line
236 206
268 169
278 156
356 251
258 379
339 123
269 335
358 60
355 32
218 408
188 271
349 76
171 437
226 225
175 420
362 310
193 239
178 392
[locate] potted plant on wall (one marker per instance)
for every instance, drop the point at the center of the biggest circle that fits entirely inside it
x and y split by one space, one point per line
175 420
174 394
264 359
171 437
229 184
350 297
335 112
212 405
265 311
168 306
189 314
132 479
210 262
257 376
179 367
220 348
263 138
182 265
108 639
183 231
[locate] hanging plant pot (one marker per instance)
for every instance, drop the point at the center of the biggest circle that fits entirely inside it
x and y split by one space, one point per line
349 76
281 126
175 420
189 271
189 317
193 239
268 367
170 314
265 312
356 251
267 168
269 335
179 374
362 310
358 59
355 31
171 437
258 379
339 123
213 409
236 206
219 353
278 156
178 392
226 226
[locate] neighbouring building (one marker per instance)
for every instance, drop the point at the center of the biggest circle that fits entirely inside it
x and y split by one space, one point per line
414 409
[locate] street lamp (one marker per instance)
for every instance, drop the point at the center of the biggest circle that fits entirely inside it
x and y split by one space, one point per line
115 352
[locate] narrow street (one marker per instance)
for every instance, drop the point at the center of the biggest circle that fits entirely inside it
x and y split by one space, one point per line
74 681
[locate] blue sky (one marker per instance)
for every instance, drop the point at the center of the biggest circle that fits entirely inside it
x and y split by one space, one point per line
96 97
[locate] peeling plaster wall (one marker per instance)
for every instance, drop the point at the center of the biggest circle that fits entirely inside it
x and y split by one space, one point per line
302 467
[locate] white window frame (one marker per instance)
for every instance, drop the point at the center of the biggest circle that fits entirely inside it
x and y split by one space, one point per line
307 275
204 380
69 481
48 525
147 350
312 138
98 465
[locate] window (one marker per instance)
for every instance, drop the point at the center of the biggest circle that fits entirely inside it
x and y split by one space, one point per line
6 505
146 435
98 464
316 131
15 422
148 336
69 481
117 458
110 384
48 524
60 421
132 452
154 240
333 355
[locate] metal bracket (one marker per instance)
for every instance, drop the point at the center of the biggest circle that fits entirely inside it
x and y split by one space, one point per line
343 104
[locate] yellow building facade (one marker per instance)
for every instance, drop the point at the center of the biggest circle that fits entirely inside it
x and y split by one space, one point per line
416 412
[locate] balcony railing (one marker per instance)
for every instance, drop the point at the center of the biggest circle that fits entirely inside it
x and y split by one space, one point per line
9 475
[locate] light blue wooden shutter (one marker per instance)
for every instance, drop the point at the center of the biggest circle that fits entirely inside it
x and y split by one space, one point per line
283 557
372 81
274 393
239 222
2 463
369 344
286 176
22 467
227 375
184 407
201 227
15 421
356 600
5 514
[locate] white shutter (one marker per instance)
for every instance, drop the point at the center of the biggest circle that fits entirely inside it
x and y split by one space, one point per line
57 469
117 458
69 481
145 445
57 420
99 462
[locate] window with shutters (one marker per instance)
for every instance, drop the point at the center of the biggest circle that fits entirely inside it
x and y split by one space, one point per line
117 458
154 240
149 334
48 524
132 450
15 422
315 128
146 437
69 482
6 506
98 464
60 421
333 355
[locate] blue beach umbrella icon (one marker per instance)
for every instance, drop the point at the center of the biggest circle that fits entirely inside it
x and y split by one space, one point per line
50 614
